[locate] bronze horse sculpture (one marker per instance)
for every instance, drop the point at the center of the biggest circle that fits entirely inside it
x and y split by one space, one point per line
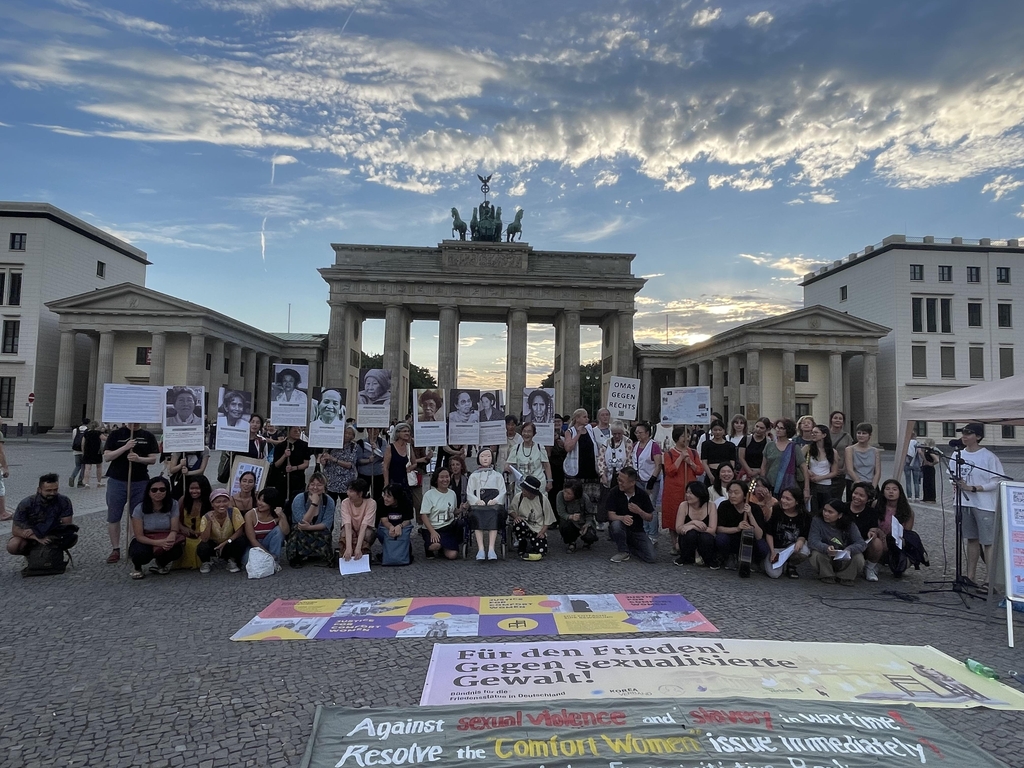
515 228
458 225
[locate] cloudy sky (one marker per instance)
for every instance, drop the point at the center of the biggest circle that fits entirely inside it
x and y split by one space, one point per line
731 145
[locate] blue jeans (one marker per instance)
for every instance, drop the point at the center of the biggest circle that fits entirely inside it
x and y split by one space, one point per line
651 526
272 542
79 471
632 539
912 479
117 494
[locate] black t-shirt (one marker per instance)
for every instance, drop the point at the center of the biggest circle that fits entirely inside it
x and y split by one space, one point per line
300 453
728 515
713 453
786 530
146 446
865 521
588 463
754 455
618 502
394 515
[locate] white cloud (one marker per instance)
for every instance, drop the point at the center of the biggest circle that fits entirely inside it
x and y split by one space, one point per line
1001 186
606 179
760 19
795 266
705 16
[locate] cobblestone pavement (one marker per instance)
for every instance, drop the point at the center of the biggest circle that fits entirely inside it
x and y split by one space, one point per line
100 670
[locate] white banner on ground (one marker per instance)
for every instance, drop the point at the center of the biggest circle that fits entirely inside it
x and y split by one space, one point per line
133 404
686 405
183 420
623 395
428 428
234 409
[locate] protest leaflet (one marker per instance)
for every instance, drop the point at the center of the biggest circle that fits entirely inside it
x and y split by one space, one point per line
686 405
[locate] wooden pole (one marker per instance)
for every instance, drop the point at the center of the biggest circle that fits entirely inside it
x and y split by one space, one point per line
128 499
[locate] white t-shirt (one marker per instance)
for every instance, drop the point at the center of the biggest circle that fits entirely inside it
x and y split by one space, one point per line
980 475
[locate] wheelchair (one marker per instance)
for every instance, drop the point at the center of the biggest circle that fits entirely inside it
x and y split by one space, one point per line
502 545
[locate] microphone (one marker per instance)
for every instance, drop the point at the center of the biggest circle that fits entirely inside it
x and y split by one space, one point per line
958 444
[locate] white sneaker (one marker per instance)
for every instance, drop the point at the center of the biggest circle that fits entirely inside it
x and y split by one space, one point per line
233 567
204 568
871 571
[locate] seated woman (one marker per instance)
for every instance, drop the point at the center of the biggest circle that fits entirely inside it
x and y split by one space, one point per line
192 507
865 517
837 549
576 518
222 534
531 517
156 528
358 518
441 530
312 524
696 523
266 524
485 493
394 526
736 517
894 505
245 499
788 526
724 475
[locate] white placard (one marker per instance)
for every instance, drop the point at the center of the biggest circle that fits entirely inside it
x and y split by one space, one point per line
491 413
428 428
288 395
354 567
373 404
327 417
539 410
463 418
183 420
1009 546
234 409
133 404
686 405
623 395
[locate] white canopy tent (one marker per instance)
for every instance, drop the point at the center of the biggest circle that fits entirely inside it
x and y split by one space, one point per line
994 402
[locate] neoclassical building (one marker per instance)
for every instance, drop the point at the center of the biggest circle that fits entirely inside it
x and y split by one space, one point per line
809 362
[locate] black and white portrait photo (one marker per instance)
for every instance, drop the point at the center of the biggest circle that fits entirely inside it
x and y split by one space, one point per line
288 399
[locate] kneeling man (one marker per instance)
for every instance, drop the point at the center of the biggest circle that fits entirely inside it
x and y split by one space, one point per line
43 520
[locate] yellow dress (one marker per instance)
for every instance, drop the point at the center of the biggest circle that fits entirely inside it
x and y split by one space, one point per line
190 558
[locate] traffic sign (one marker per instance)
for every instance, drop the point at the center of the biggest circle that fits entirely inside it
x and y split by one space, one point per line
31 397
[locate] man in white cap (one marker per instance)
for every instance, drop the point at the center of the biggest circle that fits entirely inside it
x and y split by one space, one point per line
979 483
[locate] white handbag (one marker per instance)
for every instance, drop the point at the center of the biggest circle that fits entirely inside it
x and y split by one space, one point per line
261 564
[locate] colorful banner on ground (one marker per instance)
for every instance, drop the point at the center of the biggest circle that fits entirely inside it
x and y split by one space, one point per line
722 733
441 617
678 667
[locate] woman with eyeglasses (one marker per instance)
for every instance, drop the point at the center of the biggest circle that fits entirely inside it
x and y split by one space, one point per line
156 530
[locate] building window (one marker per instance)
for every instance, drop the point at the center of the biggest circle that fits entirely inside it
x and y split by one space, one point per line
101 269
974 314
949 429
1003 275
946 315
801 373
725 378
917 271
1005 362
947 362
919 361
1005 315
14 292
241 371
743 375
843 294
974 274
976 362
227 365
931 314
803 409
18 241
12 329
921 427
945 273
917 314
209 360
1009 432
7 384
743 410
142 355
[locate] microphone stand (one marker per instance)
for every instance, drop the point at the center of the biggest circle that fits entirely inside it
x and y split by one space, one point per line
960 584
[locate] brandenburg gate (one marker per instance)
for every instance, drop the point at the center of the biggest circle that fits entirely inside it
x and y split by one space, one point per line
479 281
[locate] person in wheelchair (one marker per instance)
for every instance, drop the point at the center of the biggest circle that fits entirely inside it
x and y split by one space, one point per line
485 493
531 517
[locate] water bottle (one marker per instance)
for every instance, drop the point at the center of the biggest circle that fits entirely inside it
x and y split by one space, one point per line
981 669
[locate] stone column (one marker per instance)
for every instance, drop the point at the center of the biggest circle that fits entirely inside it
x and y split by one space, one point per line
234 367
734 386
249 379
626 365
448 348
217 376
157 359
261 395
197 361
515 365
94 361
568 397
65 381
847 400
871 392
692 375
314 375
788 384
337 345
704 373
681 376
753 404
647 400
717 388
835 382
396 357
104 368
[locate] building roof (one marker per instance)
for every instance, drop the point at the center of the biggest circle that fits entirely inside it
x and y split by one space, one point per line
902 242
301 336
12 209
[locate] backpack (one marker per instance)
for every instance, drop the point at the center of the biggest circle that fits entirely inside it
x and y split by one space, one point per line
45 560
76 441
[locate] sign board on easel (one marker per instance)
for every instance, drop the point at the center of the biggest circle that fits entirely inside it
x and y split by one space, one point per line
1010 533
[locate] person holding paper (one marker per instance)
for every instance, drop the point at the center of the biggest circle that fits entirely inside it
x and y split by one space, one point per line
789 525
697 524
339 465
530 459
357 529
438 513
837 549
896 528
312 524
291 459
128 450
865 516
